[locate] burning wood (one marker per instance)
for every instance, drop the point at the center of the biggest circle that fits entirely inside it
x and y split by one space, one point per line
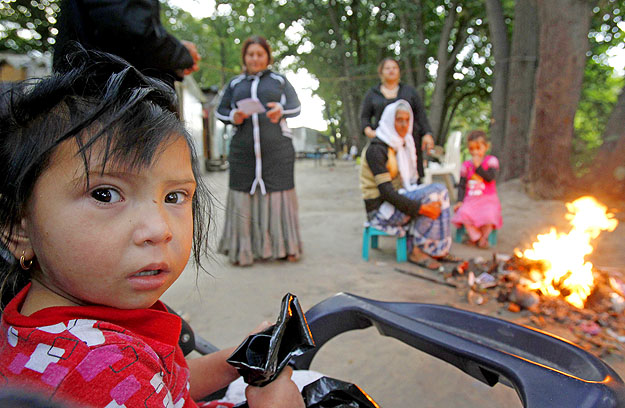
598 327
564 270
556 284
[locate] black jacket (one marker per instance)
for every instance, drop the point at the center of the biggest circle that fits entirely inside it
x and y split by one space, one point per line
275 147
130 29
376 158
374 103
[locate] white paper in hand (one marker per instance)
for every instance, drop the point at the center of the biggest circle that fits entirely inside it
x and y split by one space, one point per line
250 106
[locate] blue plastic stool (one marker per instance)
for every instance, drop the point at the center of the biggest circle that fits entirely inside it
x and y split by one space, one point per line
460 231
370 239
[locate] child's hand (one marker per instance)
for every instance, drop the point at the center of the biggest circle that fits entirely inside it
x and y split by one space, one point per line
275 113
477 160
427 142
431 210
239 117
280 393
261 327
457 205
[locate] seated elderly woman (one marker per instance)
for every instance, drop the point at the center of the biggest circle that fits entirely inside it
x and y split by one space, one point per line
393 200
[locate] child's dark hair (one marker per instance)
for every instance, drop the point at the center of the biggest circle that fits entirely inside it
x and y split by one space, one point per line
95 99
477 134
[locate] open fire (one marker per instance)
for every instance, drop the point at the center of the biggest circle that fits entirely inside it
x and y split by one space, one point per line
552 284
560 268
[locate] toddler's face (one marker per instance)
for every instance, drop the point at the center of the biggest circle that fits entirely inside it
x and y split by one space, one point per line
121 243
478 148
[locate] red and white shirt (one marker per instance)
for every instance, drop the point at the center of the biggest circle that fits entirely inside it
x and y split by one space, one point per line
95 355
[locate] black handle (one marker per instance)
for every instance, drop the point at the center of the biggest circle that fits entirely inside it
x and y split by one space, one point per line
545 371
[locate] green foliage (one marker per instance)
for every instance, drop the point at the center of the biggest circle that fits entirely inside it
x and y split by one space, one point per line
27 25
599 95
220 60
601 84
340 43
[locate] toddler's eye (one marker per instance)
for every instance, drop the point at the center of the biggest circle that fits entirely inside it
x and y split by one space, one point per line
175 198
106 195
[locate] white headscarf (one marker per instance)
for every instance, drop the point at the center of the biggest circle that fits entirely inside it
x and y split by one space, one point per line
404 147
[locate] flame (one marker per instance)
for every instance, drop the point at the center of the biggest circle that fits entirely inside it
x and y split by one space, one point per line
562 255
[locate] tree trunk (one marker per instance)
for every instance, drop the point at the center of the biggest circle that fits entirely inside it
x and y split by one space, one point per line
350 109
437 107
501 52
521 77
564 26
337 143
453 106
420 74
222 53
408 73
222 57
608 172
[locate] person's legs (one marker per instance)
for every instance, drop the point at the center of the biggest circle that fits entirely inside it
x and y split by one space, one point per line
473 232
394 225
432 237
485 230
427 238
283 232
420 258
236 239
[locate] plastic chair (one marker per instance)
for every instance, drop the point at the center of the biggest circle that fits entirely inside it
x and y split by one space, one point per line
460 231
370 239
450 168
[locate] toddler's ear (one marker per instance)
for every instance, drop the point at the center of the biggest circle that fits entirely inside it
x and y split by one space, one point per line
18 243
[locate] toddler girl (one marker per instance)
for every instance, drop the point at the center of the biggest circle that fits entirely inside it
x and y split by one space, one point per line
478 207
101 205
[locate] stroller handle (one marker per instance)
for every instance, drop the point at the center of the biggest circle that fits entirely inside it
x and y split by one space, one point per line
545 371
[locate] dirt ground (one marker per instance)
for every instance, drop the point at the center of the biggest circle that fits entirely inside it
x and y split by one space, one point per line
223 307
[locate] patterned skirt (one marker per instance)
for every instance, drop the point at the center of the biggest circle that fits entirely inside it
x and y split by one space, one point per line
431 236
260 226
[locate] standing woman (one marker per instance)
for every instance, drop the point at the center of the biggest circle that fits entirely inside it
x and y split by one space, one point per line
261 211
390 90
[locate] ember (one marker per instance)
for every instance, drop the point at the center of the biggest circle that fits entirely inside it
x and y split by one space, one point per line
554 284
598 327
562 269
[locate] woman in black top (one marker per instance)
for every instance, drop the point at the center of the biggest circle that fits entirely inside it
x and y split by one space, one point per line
261 212
390 90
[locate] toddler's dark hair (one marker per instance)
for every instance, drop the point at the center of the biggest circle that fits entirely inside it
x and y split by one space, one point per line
94 99
477 134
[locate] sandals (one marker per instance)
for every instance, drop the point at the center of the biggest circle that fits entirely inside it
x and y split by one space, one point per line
448 258
427 263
